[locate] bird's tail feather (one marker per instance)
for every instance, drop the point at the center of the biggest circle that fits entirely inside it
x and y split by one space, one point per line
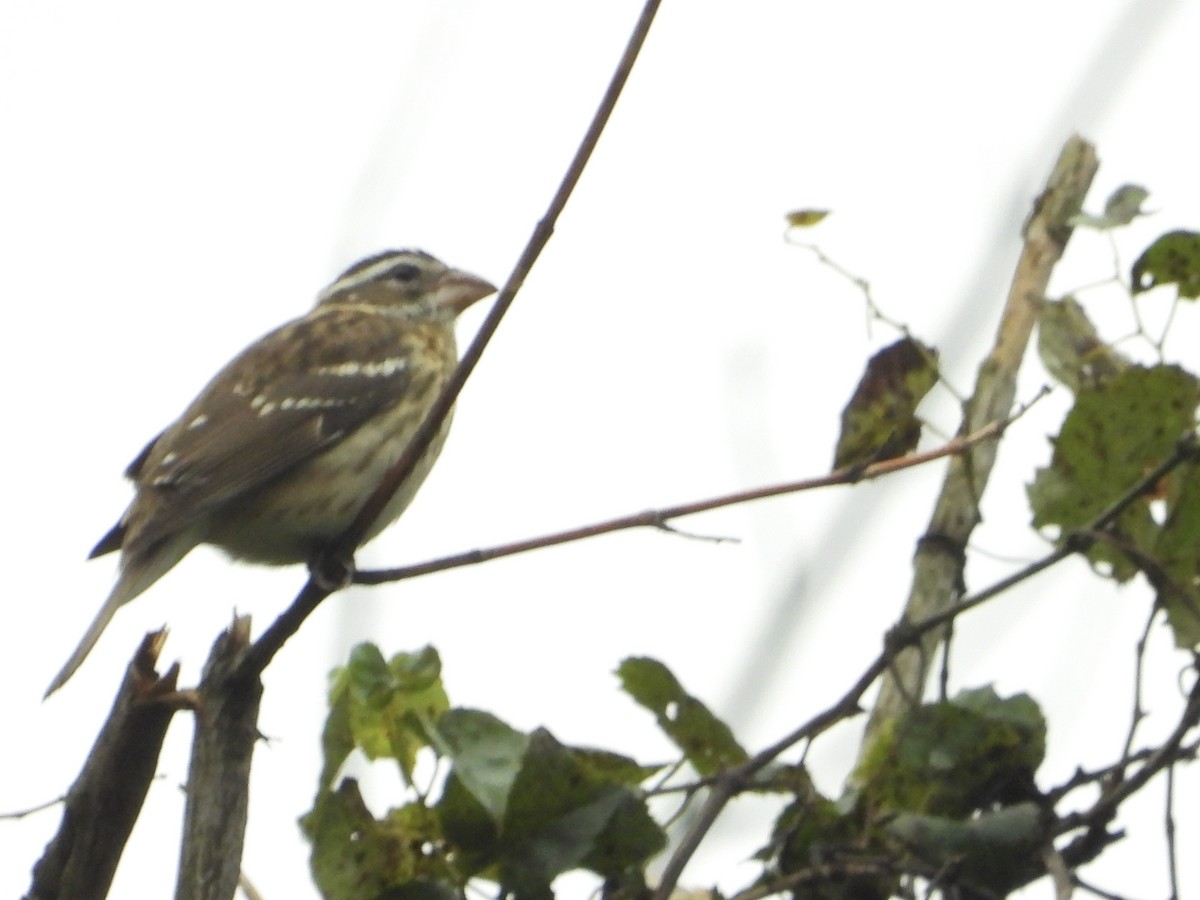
138 572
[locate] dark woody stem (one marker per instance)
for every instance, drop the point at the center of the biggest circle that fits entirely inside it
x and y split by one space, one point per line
265 648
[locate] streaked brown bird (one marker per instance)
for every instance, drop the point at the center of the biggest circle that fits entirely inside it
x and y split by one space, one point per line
276 456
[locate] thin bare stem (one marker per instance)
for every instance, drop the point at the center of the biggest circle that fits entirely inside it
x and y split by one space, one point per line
1083 778
1170 751
1057 869
660 518
875 312
41 807
1098 892
1169 833
1138 713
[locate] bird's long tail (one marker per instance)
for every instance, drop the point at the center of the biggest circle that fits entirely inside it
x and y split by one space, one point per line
138 572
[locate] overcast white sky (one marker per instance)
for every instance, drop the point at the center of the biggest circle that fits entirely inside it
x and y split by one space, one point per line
178 179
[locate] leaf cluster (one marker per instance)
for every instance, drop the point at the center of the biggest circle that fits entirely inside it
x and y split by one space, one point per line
945 792
948 782
1126 418
514 808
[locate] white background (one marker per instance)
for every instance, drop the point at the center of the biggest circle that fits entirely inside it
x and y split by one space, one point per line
177 179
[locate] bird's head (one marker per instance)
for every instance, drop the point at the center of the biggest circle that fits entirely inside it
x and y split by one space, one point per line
408 283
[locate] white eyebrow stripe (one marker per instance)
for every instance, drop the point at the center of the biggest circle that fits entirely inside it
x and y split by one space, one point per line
362 276
380 368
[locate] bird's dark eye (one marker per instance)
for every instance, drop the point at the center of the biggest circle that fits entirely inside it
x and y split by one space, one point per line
405 273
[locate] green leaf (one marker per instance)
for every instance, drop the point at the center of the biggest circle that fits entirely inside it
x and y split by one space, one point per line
629 838
555 816
422 890
614 766
337 738
1114 434
812 830
804 828
880 421
705 740
1172 259
355 856
953 757
1071 349
471 829
515 808
996 851
562 815
487 756
389 704
560 808
1020 713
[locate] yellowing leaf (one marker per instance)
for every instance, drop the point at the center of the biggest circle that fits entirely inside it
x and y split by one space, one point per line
805 218
379 706
880 421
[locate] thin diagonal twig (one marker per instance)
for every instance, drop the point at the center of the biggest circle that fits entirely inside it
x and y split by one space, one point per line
312 594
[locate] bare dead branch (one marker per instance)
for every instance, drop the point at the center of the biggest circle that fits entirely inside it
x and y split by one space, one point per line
938 575
218 789
102 805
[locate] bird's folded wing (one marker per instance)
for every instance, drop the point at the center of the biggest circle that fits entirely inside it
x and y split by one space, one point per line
294 393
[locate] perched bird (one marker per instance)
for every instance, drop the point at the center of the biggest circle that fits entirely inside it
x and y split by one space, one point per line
276 456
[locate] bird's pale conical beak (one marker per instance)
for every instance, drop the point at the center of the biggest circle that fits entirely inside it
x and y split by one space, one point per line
457 290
